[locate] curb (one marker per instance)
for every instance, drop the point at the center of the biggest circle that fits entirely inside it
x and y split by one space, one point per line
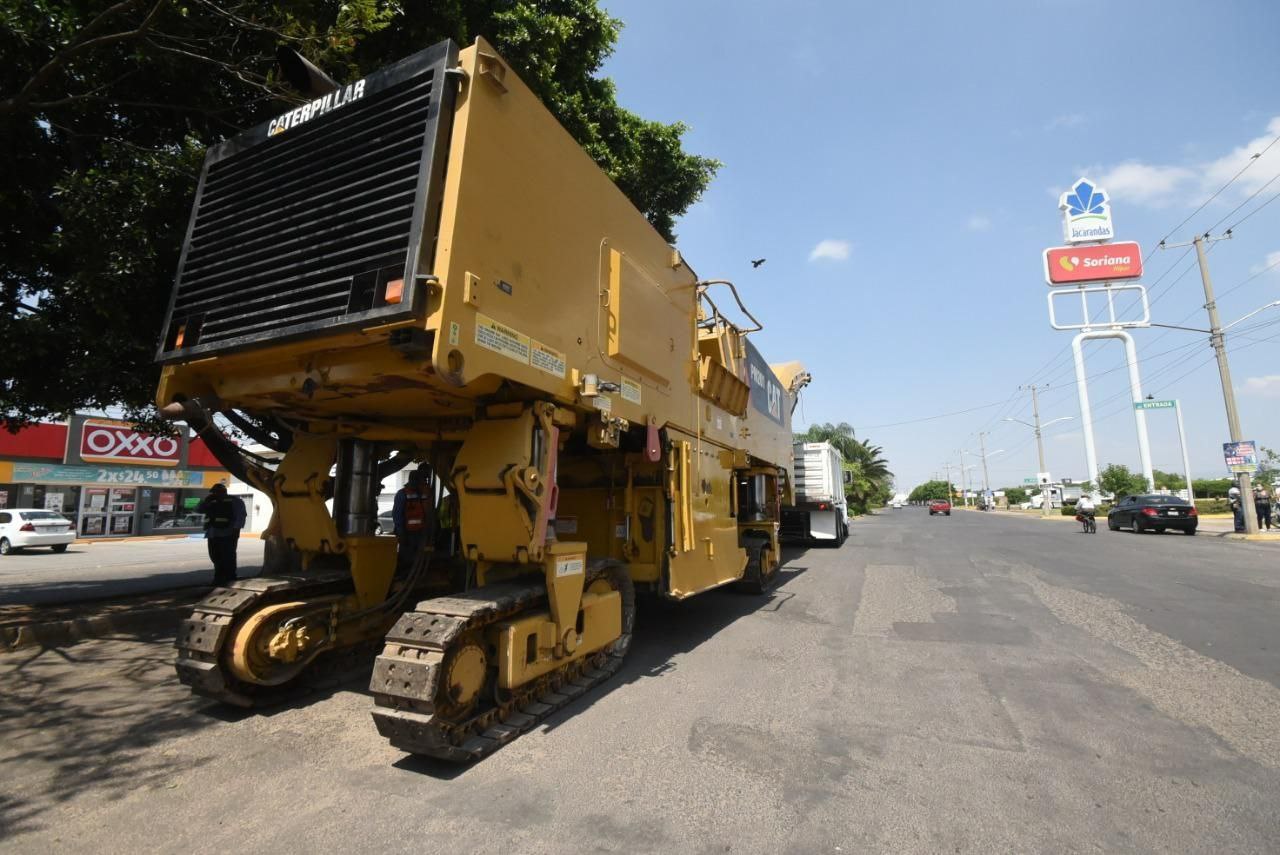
54 633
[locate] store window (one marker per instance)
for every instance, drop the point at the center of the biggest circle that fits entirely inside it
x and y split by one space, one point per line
175 510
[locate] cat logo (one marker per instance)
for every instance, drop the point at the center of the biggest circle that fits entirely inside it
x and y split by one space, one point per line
318 107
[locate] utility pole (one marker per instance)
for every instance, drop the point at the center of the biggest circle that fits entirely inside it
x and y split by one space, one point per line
1035 413
964 490
986 479
950 491
1228 392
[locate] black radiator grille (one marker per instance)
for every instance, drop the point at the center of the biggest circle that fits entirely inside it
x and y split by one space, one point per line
301 231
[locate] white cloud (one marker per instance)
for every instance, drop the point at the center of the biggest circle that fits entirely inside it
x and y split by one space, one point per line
1159 185
1143 184
1262 387
1271 262
832 249
1067 120
979 223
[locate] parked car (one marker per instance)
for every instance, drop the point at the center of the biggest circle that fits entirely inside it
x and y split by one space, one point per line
1153 513
939 506
385 524
23 527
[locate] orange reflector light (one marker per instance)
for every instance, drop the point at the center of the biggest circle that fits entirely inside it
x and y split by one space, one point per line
177 342
395 291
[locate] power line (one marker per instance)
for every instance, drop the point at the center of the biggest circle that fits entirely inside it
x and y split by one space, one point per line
1237 223
1249 199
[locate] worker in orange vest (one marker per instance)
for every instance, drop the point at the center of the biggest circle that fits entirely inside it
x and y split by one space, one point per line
413 516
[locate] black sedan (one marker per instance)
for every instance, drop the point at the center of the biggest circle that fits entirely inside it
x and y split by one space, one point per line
1153 513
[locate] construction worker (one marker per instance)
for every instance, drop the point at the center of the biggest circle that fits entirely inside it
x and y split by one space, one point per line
411 515
224 516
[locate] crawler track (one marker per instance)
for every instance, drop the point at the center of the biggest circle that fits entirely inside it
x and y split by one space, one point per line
204 637
406 677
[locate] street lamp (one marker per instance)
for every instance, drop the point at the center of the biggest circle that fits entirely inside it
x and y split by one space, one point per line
1038 428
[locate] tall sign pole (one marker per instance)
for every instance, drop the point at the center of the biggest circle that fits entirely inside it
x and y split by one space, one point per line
1186 461
1228 391
1093 264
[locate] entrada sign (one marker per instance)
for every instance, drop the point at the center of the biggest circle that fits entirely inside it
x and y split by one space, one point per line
110 441
1073 265
1086 213
1154 405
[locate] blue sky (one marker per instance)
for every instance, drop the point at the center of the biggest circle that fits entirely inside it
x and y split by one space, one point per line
899 165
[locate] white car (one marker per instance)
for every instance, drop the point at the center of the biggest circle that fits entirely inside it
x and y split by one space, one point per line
22 527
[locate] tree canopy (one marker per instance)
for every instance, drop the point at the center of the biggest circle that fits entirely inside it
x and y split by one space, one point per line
932 490
106 109
1116 478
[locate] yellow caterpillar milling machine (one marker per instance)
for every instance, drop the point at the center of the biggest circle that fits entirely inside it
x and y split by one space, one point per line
424 266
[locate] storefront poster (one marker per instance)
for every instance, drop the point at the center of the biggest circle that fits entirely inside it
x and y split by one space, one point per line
58 473
4 498
53 502
167 500
191 503
121 525
91 526
95 499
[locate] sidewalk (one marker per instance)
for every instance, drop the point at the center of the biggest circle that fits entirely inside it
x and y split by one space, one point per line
1210 525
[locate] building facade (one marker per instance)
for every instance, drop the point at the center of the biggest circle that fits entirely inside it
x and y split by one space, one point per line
107 478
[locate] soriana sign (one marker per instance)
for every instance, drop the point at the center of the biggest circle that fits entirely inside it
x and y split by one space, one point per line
108 441
1074 265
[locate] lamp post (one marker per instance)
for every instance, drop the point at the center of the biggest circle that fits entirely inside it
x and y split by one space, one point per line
1038 428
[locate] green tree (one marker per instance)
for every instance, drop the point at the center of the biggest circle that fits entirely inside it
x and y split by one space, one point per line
106 107
1116 478
931 490
1015 495
1168 480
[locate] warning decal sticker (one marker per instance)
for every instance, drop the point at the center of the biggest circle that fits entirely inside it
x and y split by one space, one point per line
569 566
501 338
546 359
630 390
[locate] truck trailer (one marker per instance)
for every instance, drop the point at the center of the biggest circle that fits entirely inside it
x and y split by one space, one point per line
424 268
820 514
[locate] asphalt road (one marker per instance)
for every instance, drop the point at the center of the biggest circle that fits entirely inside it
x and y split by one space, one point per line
91 571
974 683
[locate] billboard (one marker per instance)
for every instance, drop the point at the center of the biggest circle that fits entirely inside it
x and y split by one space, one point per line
1074 265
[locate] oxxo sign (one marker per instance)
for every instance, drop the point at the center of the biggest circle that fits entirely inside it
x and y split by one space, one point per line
107 441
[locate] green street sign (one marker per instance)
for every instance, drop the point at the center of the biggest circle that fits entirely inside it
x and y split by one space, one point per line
1154 405
1031 481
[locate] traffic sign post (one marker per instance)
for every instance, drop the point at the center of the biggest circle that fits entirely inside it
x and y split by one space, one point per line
1173 404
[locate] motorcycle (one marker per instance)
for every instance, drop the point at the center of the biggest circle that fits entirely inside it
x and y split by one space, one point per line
1088 521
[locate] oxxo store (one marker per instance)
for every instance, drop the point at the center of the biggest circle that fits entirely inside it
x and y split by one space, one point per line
109 479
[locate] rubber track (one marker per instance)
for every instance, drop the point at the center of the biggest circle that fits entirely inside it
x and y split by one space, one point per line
203 638
406 675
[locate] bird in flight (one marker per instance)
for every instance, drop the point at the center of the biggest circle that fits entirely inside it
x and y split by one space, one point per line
756 262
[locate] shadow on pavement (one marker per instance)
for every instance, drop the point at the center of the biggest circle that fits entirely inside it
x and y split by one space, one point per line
87 717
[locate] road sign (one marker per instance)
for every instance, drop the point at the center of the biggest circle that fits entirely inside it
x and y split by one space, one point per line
1154 405
1086 213
1073 265
1032 481
1241 457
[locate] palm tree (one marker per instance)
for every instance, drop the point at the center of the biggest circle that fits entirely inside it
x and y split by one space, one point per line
869 471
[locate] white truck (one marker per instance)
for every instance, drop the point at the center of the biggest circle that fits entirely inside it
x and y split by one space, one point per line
820 515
